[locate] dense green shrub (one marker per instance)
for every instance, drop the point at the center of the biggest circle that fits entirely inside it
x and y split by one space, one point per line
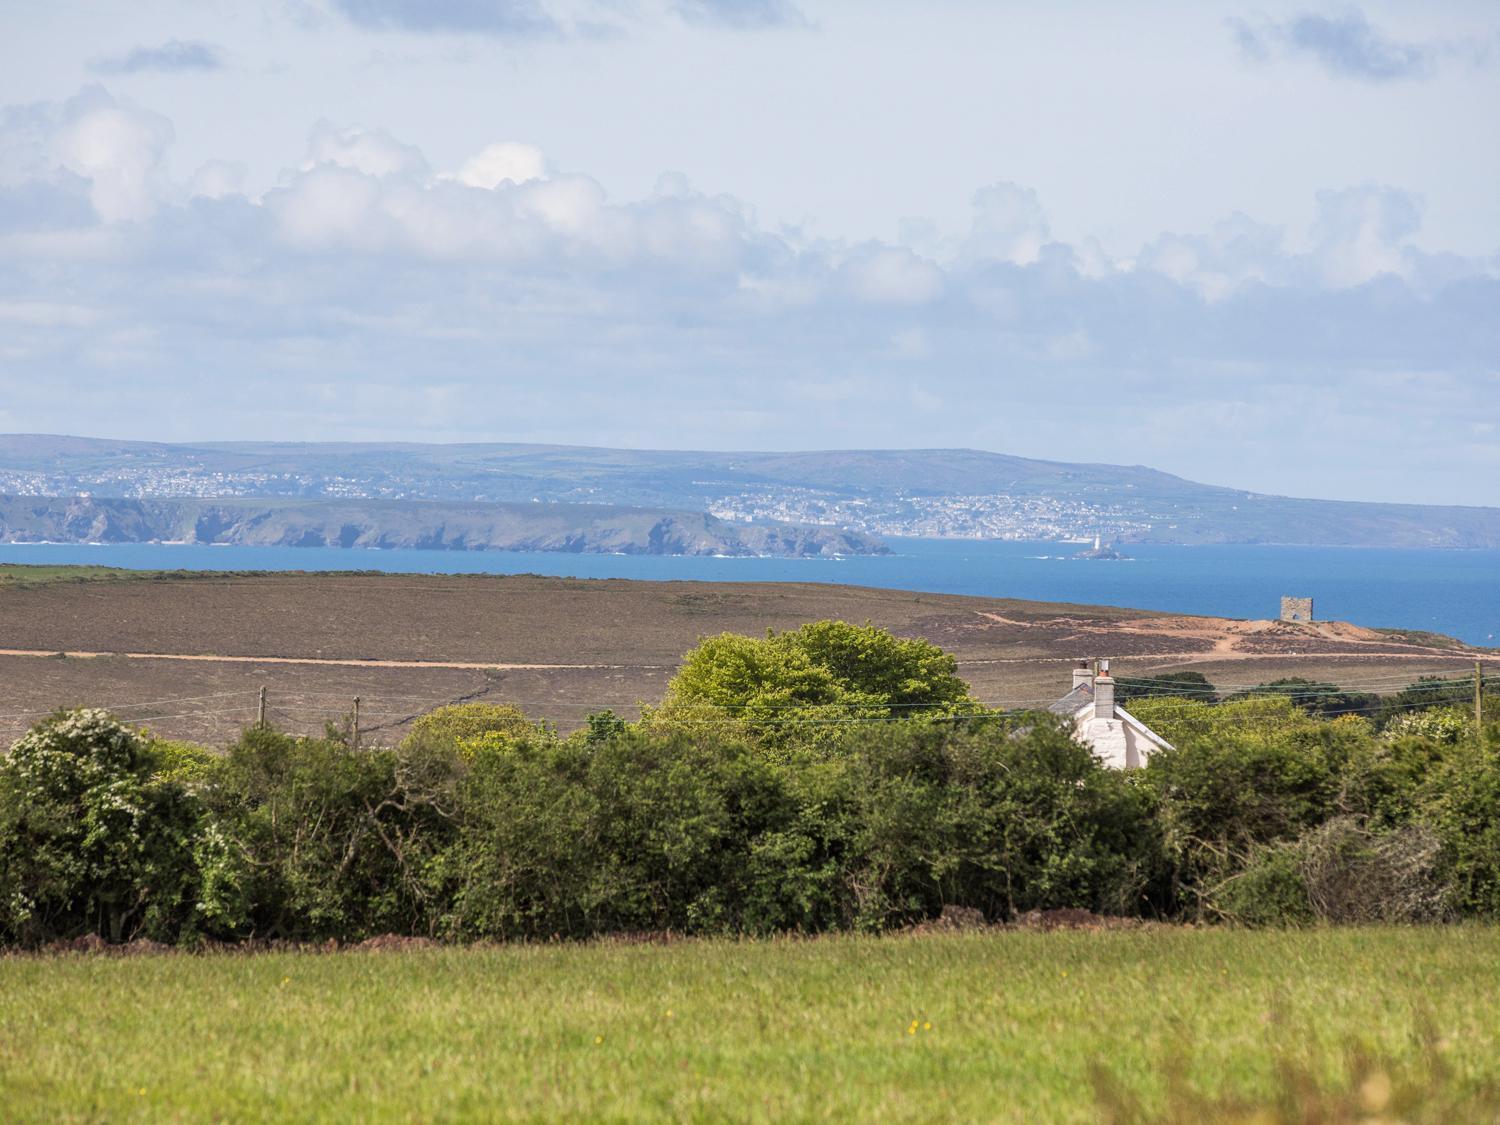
1340 872
642 832
90 842
1186 685
664 829
174 760
1325 700
1181 720
1001 815
1460 800
1434 691
1437 724
1269 889
461 727
667 830
1220 794
312 839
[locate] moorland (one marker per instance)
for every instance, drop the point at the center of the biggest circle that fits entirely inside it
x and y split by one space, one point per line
562 648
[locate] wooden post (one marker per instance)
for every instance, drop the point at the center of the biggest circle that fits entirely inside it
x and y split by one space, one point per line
1478 699
260 710
356 722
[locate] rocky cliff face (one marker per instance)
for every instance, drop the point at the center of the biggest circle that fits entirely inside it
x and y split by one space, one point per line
594 528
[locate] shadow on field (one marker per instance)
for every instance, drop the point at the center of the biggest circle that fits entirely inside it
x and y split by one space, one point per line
1414 1086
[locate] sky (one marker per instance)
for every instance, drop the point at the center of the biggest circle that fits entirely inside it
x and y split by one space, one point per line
1252 244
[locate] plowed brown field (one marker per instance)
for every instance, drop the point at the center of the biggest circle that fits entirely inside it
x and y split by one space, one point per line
187 655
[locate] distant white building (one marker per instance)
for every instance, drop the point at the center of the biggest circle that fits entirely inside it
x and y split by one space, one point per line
1116 736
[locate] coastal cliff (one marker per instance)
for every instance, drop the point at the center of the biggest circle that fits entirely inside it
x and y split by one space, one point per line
394 524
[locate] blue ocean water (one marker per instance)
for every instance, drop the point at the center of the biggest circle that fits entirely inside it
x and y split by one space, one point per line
1453 592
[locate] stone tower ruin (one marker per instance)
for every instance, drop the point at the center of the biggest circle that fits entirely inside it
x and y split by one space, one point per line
1297 610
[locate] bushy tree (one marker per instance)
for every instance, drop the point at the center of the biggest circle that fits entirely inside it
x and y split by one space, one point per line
644 831
1225 790
1181 720
90 842
1436 724
1187 685
1460 799
459 727
313 840
1002 815
1423 693
1325 700
801 686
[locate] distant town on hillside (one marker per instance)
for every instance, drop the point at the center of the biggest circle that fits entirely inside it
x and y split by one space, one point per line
941 493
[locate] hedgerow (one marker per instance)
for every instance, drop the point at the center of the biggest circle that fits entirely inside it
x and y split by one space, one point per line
702 818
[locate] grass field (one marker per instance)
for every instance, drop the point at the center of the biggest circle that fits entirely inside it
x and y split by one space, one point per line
18 574
984 1026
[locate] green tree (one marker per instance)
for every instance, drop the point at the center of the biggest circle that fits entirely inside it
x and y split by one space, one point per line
1316 698
312 839
1424 693
90 841
463 727
802 686
1186 685
1226 790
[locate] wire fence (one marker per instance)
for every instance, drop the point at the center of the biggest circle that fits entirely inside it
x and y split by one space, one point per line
383 717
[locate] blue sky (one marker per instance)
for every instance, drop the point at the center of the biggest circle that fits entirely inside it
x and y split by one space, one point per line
1254 245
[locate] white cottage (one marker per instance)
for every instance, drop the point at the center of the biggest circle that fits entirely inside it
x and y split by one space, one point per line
1116 736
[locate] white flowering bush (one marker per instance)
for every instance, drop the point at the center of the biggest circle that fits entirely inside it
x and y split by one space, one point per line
90 841
1446 725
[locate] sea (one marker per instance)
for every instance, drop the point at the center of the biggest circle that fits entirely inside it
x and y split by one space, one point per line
1445 591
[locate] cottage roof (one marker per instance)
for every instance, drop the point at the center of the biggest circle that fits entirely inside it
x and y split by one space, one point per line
1075 700
1083 695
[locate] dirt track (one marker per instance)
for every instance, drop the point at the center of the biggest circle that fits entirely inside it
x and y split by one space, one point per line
188 655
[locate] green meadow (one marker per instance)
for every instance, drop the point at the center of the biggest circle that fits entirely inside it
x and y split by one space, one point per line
1139 1024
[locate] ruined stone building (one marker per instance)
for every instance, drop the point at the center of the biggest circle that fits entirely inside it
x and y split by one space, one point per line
1296 610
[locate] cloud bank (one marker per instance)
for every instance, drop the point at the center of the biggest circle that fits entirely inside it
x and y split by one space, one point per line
1345 44
506 18
173 55
372 293
745 14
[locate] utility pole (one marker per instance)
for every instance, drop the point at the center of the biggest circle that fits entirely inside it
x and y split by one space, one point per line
356 722
260 711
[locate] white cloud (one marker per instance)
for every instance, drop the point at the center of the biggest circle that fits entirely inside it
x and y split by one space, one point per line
218 178
1363 232
371 151
118 149
501 163
1009 225
542 307
891 275
1237 250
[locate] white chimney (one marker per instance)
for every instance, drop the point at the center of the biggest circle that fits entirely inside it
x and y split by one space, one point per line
1104 692
1082 674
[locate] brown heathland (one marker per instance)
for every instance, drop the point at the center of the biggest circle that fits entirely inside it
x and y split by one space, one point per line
564 647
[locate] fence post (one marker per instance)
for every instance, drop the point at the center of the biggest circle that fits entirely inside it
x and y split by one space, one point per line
260 710
1478 699
356 722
